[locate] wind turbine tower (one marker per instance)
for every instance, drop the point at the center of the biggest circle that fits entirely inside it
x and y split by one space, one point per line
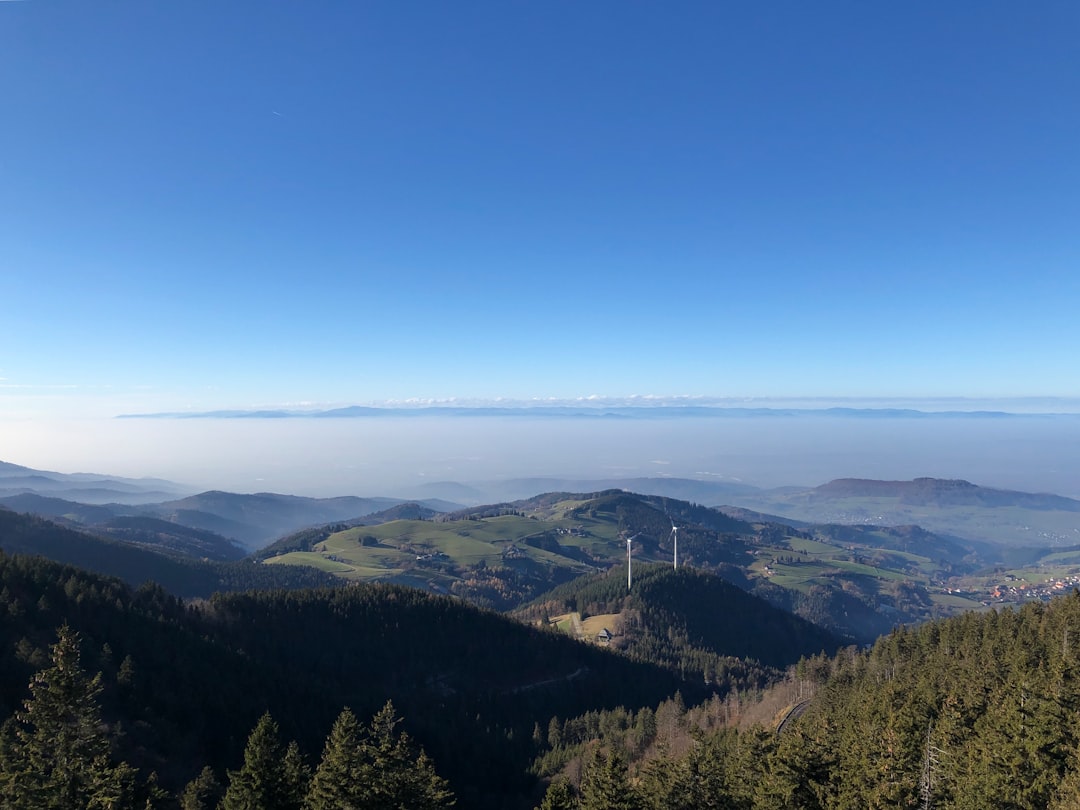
629 540
675 537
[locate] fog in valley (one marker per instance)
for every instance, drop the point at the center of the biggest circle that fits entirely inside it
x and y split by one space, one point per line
402 456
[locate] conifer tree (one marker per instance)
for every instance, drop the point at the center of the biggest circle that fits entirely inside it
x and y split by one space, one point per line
295 777
337 779
604 785
395 775
55 752
202 792
663 783
260 784
559 796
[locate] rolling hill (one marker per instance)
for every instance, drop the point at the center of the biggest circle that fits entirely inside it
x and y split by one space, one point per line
135 564
855 581
252 521
689 620
942 506
85 487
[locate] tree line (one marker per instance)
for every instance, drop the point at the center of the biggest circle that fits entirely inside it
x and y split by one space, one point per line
58 752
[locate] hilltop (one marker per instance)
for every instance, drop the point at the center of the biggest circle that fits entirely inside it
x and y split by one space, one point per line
85 487
246 521
689 620
944 506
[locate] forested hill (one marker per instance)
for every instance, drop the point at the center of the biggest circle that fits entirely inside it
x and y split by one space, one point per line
183 576
971 712
690 620
189 683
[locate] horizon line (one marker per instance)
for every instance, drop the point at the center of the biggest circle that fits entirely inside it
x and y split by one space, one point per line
634 408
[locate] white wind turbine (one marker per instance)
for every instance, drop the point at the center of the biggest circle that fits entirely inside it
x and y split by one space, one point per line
629 540
675 538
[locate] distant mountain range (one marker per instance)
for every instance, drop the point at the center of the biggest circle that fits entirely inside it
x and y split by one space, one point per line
942 492
85 488
593 411
950 507
213 524
944 506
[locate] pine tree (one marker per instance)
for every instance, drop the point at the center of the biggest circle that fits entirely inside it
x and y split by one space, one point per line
56 750
395 775
202 792
295 777
604 785
260 784
559 796
663 783
337 779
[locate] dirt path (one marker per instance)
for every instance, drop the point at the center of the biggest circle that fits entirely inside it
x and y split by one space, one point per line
575 622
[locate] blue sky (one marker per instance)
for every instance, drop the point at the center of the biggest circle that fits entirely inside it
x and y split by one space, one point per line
228 205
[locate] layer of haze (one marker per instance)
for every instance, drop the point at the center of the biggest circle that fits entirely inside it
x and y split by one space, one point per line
396 456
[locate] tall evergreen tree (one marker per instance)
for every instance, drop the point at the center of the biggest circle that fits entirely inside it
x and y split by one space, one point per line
56 749
559 796
202 792
337 779
395 774
295 777
260 784
604 785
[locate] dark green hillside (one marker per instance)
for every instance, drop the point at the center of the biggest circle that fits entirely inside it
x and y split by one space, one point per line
180 697
972 712
58 508
247 536
170 538
690 621
189 683
27 534
473 684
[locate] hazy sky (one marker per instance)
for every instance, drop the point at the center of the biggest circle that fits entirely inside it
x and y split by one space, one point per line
398 456
242 204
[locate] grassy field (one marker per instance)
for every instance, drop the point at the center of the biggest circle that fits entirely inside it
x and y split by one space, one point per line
594 624
423 550
585 629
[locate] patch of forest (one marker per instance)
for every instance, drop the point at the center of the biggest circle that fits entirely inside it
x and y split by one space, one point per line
187 683
692 622
976 711
178 574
